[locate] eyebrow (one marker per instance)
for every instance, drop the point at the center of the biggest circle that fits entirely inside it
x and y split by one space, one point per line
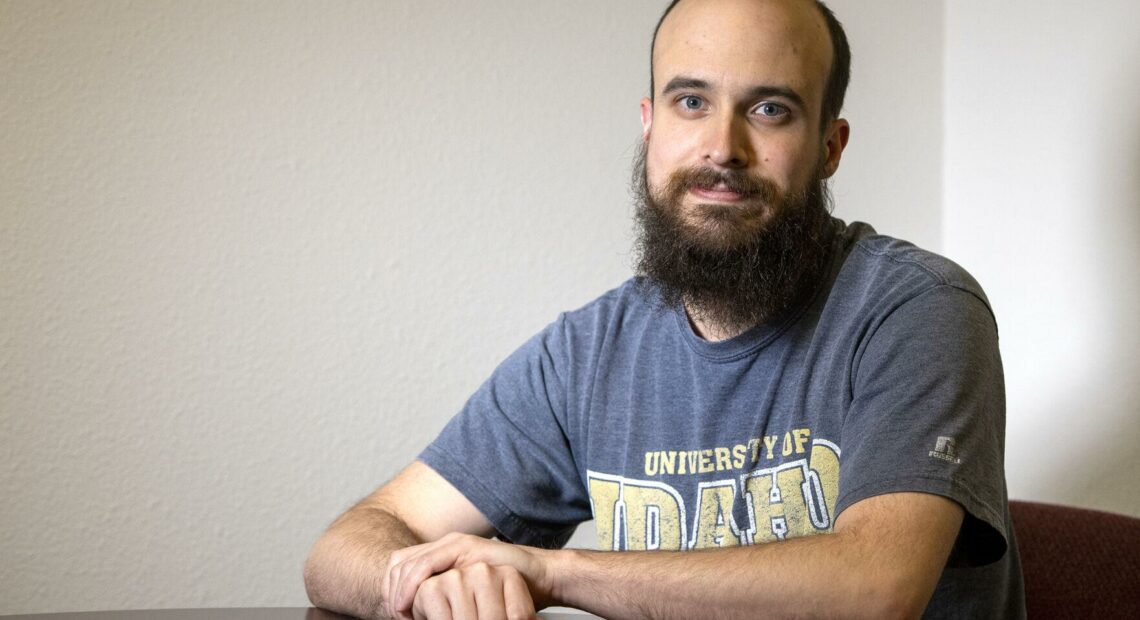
756 92
684 83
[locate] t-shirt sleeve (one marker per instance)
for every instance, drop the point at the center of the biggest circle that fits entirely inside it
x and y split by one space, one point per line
508 449
928 415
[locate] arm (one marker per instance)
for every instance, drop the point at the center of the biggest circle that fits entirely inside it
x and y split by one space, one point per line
347 566
883 560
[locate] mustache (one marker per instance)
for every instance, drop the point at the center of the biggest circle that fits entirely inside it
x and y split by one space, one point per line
733 181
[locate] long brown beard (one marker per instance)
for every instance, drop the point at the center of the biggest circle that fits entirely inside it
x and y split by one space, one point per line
741 267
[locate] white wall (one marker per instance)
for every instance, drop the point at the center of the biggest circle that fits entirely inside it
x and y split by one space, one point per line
1042 178
253 256
891 173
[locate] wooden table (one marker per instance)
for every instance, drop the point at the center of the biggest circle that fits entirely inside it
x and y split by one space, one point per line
248 613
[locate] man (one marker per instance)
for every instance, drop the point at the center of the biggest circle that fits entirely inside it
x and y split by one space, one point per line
816 408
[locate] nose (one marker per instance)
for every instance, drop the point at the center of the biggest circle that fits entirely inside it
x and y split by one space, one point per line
727 144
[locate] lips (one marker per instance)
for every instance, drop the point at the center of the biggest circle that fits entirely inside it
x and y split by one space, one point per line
718 193
725 187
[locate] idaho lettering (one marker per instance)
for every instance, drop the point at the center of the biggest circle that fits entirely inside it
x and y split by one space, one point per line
794 498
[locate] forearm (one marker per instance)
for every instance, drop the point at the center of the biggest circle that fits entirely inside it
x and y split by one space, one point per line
346 568
816 576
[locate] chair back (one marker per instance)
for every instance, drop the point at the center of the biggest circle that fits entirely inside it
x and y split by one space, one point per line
1078 563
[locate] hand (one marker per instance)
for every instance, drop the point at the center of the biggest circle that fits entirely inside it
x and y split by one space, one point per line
479 591
409 571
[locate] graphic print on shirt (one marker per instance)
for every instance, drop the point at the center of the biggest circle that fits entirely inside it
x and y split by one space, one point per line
795 496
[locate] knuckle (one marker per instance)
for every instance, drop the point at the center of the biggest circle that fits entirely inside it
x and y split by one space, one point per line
428 604
451 578
508 573
481 569
520 609
393 563
418 568
430 587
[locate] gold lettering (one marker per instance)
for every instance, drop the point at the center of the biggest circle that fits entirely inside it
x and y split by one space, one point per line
770 443
690 459
754 446
723 459
758 490
603 497
782 512
825 464
791 481
651 461
706 461
714 518
738 456
801 436
653 518
668 459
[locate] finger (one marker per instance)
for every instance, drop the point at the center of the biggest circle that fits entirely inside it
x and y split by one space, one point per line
393 586
460 597
431 603
388 579
397 564
437 610
398 614
487 590
517 600
413 571
407 577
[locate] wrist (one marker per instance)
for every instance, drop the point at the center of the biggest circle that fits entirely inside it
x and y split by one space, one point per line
550 575
561 568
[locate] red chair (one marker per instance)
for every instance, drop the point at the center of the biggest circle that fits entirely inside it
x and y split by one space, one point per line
1078 563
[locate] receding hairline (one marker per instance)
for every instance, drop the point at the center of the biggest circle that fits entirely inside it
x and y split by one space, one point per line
672 5
836 77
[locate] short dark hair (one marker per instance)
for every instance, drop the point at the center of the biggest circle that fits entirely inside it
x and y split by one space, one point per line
837 78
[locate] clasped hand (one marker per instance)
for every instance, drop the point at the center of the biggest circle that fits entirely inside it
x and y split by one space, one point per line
464 576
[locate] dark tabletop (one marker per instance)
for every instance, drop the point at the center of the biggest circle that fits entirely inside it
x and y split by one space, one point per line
250 613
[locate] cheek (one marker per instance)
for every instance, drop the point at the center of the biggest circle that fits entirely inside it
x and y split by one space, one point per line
672 143
657 165
791 165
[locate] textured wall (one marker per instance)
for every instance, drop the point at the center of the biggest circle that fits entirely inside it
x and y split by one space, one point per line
1043 205
253 255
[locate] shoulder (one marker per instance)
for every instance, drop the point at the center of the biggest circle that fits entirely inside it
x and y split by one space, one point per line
882 269
634 301
575 342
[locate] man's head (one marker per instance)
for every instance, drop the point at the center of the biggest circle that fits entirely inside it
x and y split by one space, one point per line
737 145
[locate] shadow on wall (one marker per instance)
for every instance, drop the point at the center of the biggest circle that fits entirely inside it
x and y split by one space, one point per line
1107 478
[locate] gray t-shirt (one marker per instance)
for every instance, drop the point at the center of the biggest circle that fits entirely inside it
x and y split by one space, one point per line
887 380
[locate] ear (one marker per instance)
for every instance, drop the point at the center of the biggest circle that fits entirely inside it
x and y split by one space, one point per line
834 141
646 117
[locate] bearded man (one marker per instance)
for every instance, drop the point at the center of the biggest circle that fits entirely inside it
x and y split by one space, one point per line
782 415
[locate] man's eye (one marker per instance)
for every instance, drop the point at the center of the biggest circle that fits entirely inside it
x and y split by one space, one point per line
771 109
691 102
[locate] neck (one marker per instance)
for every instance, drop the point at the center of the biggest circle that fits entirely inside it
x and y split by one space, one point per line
712 330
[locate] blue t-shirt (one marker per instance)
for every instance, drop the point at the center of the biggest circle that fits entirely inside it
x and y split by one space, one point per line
887 380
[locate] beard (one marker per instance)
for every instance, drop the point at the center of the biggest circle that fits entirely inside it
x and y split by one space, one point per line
732 266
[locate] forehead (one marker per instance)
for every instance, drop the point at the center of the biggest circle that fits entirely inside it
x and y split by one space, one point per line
743 43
